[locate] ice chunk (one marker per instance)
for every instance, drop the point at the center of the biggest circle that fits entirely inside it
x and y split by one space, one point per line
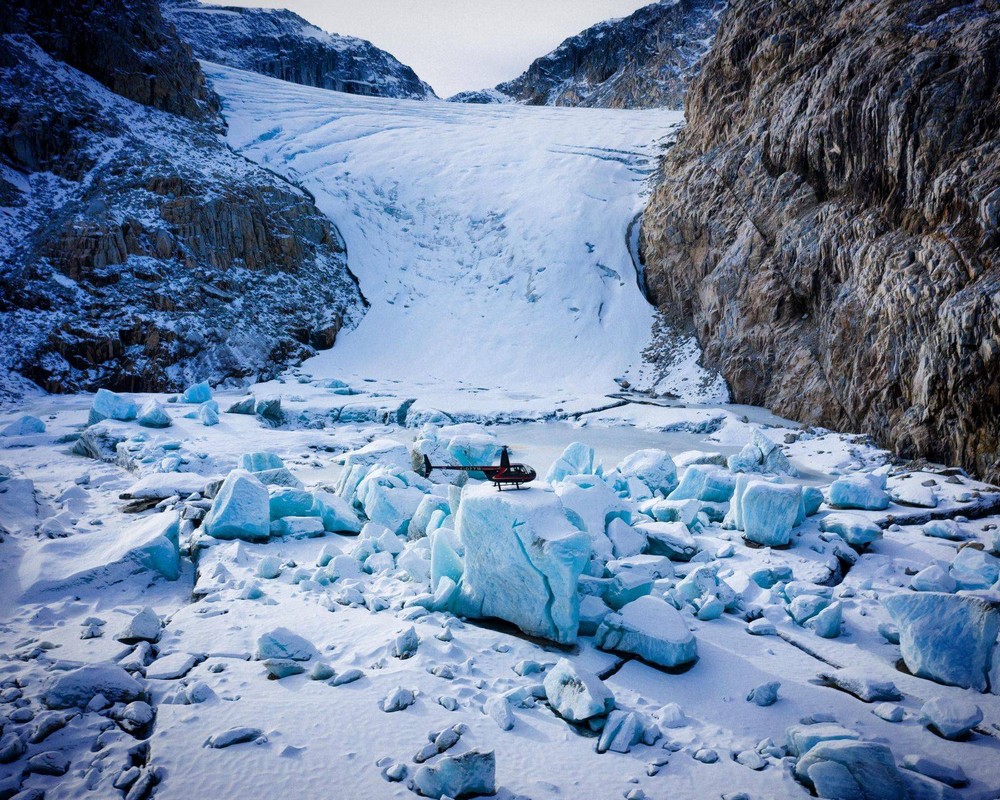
945 637
286 501
244 406
282 643
240 735
208 414
470 774
260 461
445 560
862 685
25 426
626 541
849 769
940 770
108 405
78 687
621 732
764 695
952 717
933 579
429 503
974 569
705 482
153 415
685 511
576 459
591 504
398 699
593 610
168 484
197 393
241 509
670 539
769 511
761 454
653 467
856 530
105 557
171 667
576 695
865 491
336 513
944 529
523 559
143 627
911 493
474 449
652 629
828 621
802 738
703 583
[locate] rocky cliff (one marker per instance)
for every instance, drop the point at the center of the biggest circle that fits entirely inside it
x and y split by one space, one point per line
645 60
137 251
829 218
280 44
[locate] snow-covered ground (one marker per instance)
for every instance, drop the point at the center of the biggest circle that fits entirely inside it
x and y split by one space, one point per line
466 224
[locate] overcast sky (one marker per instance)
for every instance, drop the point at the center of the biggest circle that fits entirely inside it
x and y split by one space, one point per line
458 44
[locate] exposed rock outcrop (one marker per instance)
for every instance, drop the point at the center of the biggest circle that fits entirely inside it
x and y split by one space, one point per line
645 60
829 219
280 44
137 251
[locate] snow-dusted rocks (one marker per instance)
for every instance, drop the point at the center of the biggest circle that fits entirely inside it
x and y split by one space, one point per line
944 637
864 491
768 512
856 530
843 768
654 468
241 510
78 687
951 717
470 774
577 459
576 695
651 629
760 455
522 560
108 405
152 415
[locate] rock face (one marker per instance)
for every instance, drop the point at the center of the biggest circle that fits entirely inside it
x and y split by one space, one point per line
828 219
645 60
280 44
139 252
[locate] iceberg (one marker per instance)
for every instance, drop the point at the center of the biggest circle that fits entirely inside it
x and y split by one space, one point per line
945 637
652 629
109 405
523 560
241 510
25 426
208 414
670 539
654 468
591 504
576 695
473 449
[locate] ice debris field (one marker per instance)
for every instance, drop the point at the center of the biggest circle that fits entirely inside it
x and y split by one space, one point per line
255 593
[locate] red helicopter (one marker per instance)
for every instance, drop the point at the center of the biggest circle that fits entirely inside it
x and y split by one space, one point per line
506 473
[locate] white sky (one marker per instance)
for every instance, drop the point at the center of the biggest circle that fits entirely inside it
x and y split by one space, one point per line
458 44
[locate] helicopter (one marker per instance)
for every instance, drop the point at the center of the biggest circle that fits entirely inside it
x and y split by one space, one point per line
506 474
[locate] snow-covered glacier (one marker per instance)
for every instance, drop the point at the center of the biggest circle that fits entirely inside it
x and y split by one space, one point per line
491 242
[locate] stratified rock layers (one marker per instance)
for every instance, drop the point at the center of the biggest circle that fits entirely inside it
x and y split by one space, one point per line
829 219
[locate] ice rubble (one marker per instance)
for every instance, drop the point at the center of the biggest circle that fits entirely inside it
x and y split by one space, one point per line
654 468
108 405
470 774
864 491
577 695
241 509
651 629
